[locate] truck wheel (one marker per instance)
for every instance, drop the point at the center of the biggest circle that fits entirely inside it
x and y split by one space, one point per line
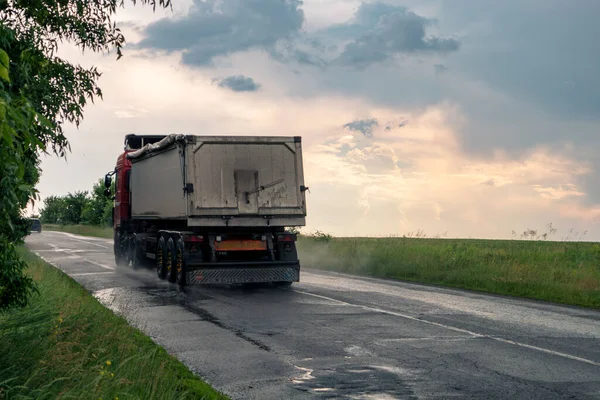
180 263
170 261
136 254
120 258
161 250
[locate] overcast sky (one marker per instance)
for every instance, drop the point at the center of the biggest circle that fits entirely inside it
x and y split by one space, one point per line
469 118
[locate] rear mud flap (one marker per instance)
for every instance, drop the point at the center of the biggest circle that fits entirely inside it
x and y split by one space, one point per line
244 275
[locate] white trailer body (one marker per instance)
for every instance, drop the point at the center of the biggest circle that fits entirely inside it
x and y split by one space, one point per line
233 181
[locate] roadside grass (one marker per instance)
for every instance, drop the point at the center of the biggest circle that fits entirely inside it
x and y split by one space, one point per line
67 345
562 272
85 230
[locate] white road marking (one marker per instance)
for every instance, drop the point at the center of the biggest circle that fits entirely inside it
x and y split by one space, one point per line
90 243
433 338
71 257
452 328
556 353
77 239
92 238
92 273
99 264
69 251
397 314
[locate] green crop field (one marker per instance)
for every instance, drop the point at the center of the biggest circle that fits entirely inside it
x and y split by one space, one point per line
564 272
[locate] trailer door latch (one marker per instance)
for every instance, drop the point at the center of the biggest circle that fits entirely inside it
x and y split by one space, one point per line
188 188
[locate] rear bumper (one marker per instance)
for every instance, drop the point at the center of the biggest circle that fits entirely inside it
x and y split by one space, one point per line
232 273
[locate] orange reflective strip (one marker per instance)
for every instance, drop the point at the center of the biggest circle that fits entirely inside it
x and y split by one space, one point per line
240 245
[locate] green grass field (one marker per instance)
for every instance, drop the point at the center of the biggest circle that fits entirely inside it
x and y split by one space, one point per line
563 272
67 345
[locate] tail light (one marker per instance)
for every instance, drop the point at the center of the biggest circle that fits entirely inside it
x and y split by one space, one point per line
286 237
193 238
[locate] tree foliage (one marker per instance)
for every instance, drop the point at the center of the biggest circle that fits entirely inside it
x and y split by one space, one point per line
88 208
98 209
39 94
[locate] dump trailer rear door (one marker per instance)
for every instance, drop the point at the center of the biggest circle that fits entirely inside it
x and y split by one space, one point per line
246 176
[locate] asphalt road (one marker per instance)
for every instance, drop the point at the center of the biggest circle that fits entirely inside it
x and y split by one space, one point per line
337 336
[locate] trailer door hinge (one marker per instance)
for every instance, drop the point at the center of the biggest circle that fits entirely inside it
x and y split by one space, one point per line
188 188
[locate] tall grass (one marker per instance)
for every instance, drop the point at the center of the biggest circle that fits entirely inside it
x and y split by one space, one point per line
564 272
67 345
85 230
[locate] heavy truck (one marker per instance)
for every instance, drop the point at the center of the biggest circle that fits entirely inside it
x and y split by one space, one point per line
209 209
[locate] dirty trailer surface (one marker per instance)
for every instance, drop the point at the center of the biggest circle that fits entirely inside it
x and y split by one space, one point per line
337 336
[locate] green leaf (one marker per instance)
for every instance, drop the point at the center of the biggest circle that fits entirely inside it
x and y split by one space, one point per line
6 133
4 65
4 73
4 60
45 121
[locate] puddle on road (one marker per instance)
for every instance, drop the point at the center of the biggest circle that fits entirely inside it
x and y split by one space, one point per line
374 397
105 296
358 351
126 301
356 381
307 375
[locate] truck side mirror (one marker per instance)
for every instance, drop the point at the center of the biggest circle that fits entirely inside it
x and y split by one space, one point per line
107 181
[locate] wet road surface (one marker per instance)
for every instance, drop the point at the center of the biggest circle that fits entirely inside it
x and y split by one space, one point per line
338 336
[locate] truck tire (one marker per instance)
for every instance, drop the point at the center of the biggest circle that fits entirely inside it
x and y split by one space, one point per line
120 258
170 261
136 254
180 263
161 251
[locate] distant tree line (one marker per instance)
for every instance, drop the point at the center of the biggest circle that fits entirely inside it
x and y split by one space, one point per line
82 207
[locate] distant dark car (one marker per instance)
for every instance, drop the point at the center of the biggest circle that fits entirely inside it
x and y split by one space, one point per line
36 225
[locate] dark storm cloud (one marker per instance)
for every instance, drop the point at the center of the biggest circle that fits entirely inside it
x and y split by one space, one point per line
526 73
301 51
541 56
217 28
541 51
383 31
238 83
364 126
212 28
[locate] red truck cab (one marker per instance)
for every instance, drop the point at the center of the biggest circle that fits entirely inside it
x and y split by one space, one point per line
122 207
122 172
